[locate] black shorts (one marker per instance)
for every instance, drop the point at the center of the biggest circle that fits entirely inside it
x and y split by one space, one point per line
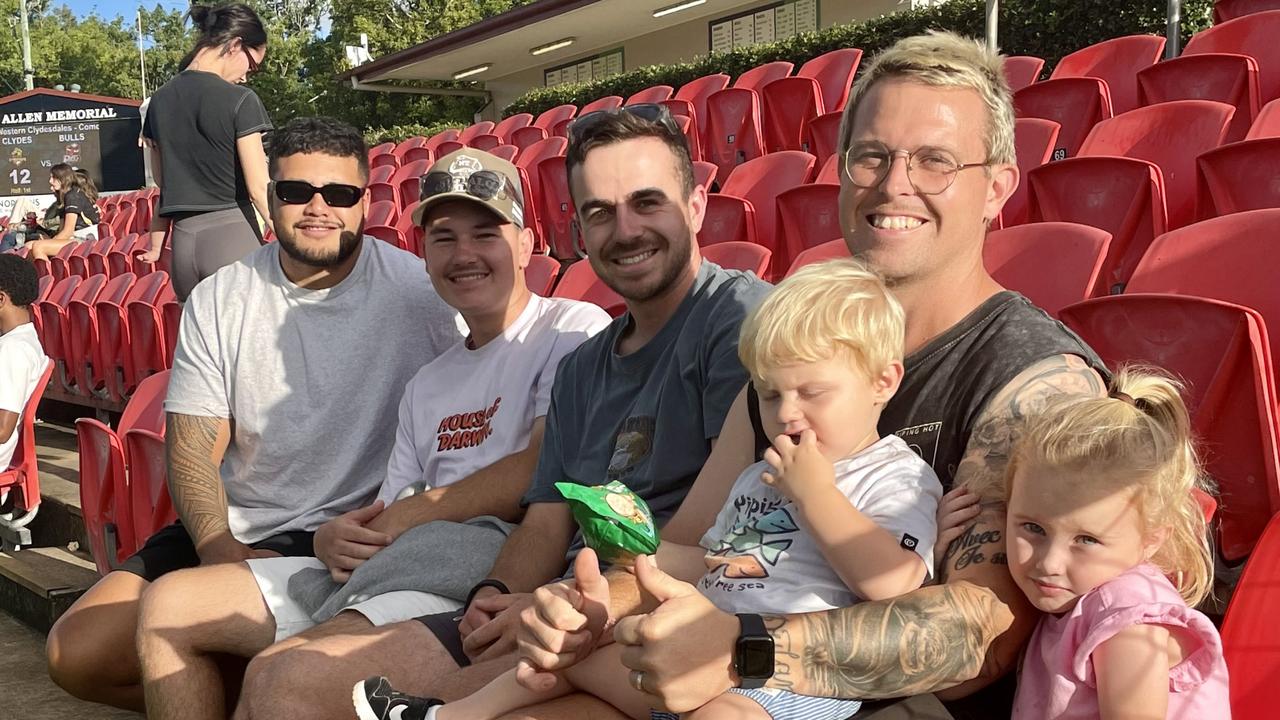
171 549
445 627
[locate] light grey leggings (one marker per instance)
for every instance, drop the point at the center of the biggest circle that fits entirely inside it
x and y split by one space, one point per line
206 241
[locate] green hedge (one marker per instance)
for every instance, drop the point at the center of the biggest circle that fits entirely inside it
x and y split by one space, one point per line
1044 28
396 133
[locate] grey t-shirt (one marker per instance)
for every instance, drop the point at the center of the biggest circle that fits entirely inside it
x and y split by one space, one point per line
310 378
648 418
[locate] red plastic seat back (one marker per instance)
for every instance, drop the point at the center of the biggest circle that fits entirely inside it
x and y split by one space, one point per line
107 521
1034 140
381 213
409 143
23 472
1218 350
747 257
1117 61
150 504
834 72
695 93
727 219
1022 70
808 215
1124 197
829 250
761 75
787 105
556 211
554 115
654 94
734 133
510 124
384 160
608 102
417 154
526 136
484 127
411 233
486 142
1232 79
1053 264
447 135
447 147
381 149
1267 124
704 174
1170 135
540 274
1253 35
580 282
760 181
1237 177
381 174
822 135
1230 258
830 172
1224 10
1250 633
506 152
1076 104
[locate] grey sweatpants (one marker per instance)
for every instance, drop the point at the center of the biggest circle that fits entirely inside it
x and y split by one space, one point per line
206 241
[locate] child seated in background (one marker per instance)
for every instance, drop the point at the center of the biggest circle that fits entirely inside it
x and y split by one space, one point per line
824 351
1102 515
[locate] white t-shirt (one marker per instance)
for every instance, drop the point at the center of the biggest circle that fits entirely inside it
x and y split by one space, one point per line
22 361
762 560
467 409
311 379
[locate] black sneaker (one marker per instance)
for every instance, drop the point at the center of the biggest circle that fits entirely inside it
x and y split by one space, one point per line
375 699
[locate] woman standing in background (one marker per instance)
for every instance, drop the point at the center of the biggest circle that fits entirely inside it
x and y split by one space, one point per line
205 133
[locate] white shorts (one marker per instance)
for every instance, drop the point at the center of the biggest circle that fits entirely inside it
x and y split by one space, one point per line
272 576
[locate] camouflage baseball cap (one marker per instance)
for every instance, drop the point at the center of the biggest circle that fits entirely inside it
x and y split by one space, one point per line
475 175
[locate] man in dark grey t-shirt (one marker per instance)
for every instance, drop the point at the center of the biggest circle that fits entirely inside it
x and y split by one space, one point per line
642 402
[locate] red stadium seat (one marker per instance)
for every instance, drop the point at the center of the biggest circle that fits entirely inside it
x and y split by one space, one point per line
1053 264
120 258
727 219
433 143
1250 633
382 213
411 233
116 335
416 154
789 103
691 100
1237 177
527 164
23 473
59 295
1224 10
469 133
830 172
747 257
384 160
654 94
45 284
579 282
540 275
149 503
448 146
556 212
608 102
148 349
1229 258
1076 104
1267 124
408 144
1139 168
389 235
383 192
1117 62
57 263
1218 349
406 181
486 142
734 132
1022 70
822 135
690 135
381 175
528 135
808 215
704 174
1034 140
172 313
761 75
1232 79
104 485
829 250
549 118
761 180
84 364
384 148
56 320
506 152
1253 35
92 255
510 124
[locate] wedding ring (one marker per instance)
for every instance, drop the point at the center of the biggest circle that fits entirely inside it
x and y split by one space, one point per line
637 680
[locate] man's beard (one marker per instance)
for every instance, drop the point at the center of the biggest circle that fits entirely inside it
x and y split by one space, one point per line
348 243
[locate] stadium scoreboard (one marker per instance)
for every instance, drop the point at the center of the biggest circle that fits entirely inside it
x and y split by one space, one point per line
43 128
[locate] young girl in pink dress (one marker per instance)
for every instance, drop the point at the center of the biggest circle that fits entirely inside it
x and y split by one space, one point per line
1107 539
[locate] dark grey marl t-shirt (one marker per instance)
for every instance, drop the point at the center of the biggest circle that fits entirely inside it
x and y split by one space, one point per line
648 418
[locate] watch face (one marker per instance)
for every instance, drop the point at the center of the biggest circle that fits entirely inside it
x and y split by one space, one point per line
755 657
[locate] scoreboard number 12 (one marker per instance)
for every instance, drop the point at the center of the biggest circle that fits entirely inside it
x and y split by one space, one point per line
20 177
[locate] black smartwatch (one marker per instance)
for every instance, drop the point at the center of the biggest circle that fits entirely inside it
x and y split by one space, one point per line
753 653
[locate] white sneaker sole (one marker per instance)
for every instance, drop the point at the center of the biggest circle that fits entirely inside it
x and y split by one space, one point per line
363 709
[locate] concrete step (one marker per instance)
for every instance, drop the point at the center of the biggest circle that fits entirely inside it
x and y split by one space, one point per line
37 585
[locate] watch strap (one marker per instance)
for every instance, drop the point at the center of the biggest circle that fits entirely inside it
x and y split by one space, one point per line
751 628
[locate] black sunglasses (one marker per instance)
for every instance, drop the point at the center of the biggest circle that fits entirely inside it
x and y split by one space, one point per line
481 184
649 112
253 64
296 192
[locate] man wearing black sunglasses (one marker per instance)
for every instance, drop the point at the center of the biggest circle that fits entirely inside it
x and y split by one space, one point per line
283 397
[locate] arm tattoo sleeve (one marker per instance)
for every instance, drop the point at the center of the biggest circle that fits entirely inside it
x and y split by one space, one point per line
194 483
937 637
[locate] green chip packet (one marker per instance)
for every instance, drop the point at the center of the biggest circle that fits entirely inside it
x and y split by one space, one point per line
615 522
